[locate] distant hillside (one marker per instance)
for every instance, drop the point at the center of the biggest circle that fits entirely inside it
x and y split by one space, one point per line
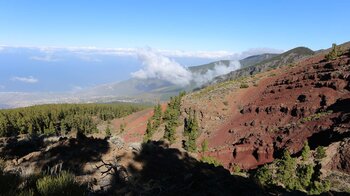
252 60
210 66
246 62
285 58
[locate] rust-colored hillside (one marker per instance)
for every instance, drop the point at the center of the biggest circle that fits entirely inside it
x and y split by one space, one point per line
282 108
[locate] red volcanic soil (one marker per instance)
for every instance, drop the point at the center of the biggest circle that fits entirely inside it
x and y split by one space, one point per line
135 124
309 101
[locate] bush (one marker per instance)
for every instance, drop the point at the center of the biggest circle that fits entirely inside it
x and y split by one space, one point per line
320 153
334 53
108 131
264 175
304 173
205 146
305 153
319 187
149 131
244 85
210 160
63 184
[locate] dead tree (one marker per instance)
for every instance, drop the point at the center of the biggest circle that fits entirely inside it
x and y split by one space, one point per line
114 169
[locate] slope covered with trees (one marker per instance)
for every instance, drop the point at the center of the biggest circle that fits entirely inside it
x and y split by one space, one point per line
57 119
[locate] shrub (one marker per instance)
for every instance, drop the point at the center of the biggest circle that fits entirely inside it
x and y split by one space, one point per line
334 53
108 131
205 146
304 173
264 175
210 160
320 153
149 131
244 85
63 184
319 187
305 153
122 127
236 169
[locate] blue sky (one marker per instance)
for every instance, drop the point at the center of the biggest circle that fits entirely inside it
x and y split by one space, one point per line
190 32
182 24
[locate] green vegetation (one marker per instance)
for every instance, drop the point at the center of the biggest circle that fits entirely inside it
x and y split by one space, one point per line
56 119
62 184
305 152
320 153
157 117
171 117
334 53
210 160
316 116
236 169
191 131
244 85
122 127
293 174
205 146
153 123
108 131
149 131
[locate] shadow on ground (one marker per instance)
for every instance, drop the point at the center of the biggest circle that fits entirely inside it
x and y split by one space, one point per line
168 171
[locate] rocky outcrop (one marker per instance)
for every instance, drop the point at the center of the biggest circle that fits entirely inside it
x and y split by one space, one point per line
341 157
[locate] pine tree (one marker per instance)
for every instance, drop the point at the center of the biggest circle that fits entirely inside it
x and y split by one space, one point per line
320 153
286 171
149 131
108 131
304 173
169 132
334 53
191 132
305 153
157 117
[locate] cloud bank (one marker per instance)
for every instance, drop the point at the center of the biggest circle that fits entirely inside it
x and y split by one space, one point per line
161 67
48 52
30 79
219 69
46 58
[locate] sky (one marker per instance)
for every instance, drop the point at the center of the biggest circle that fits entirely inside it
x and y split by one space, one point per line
67 45
182 24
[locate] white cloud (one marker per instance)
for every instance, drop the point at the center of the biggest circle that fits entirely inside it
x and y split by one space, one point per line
46 58
89 51
219 69
161 67
89 58
29 79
